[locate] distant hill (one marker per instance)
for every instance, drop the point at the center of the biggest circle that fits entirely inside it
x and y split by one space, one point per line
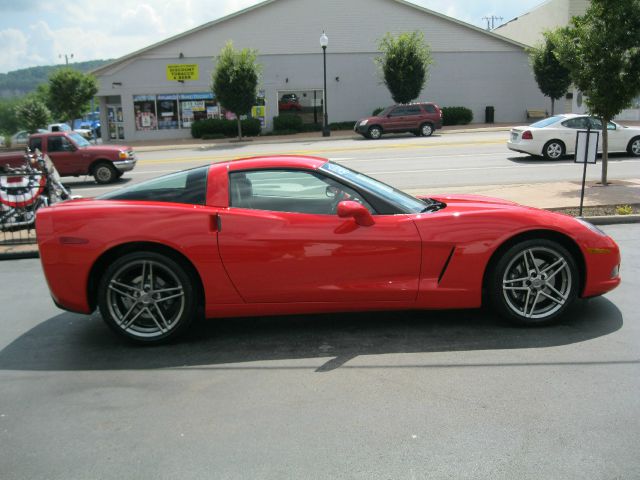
26 80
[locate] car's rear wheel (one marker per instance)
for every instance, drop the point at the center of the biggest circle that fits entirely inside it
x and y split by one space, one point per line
103 172
634 147
426 129
375 132
553 150
534 282
147 297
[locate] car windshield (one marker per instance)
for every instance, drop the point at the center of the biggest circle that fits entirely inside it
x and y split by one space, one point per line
78 139
547 121
390 194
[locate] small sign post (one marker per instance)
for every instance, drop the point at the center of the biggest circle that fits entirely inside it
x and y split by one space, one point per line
586 152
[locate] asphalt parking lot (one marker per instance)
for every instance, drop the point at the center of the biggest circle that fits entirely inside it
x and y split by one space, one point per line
386 395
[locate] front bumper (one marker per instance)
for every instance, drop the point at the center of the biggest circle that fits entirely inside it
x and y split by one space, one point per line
125 165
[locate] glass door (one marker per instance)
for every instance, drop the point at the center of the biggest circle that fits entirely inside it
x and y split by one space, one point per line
116 122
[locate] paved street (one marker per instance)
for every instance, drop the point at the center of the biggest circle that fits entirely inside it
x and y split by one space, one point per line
406 162
368 396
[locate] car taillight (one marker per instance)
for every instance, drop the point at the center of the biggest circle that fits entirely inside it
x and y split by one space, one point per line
527 135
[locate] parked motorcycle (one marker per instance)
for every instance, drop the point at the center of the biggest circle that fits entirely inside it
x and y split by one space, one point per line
25 189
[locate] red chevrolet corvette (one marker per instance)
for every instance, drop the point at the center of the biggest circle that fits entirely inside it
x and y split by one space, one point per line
288 234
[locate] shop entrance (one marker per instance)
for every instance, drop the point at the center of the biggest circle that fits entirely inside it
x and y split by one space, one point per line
307 104
115 122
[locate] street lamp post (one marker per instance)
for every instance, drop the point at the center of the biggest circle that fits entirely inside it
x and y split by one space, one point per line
66 57
324 41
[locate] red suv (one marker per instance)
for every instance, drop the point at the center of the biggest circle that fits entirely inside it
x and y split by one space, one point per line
421 119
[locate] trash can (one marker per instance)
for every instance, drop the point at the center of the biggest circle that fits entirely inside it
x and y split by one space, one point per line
489 114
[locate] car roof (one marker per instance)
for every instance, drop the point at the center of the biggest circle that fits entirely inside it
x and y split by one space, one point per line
276 161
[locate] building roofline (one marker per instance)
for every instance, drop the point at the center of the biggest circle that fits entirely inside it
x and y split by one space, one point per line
204 26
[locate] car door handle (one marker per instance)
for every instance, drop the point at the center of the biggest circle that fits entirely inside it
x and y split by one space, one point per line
215 223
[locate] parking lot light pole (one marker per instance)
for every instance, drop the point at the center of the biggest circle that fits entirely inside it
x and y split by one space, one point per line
324 41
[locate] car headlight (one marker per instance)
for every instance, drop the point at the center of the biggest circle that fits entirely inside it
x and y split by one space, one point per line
123 155
591 227
363 122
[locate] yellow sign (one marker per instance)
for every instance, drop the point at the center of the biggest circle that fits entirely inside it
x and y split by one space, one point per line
182 72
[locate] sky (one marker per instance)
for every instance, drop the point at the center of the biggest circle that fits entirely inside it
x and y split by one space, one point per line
42 32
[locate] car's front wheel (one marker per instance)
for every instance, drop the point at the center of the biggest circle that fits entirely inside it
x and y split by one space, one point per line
375 132
147 297
634 147
553 150
533 282
103 173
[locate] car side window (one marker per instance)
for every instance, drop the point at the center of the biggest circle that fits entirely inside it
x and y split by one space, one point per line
596 123
54 144
398 112
292 191
581 122
189 186
413 110
429 108
35 143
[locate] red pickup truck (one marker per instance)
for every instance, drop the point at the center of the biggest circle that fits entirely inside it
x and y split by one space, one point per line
74 156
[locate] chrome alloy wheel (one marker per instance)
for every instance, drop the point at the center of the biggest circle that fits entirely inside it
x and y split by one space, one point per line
537 283
553 150
145 298
426 130
634 148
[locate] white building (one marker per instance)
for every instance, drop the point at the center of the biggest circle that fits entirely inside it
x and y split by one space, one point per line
157 91
528 29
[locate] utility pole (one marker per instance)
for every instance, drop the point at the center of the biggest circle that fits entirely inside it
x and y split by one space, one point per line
66 57
491 21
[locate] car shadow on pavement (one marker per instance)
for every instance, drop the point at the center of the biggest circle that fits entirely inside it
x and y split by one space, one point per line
530 159
70 342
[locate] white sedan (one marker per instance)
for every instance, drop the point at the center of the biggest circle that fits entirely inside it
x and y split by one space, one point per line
555 136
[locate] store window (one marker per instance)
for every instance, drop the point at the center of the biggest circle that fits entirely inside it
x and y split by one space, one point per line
145 111
167 112
197 106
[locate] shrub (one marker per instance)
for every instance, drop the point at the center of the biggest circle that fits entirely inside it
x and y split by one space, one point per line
213 136
377 111
342 125
224 128
624 210
288 121
456 116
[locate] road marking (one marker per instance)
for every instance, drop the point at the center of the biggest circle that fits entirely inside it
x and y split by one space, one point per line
411 146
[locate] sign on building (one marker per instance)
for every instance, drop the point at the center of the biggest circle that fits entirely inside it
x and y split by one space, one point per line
182 72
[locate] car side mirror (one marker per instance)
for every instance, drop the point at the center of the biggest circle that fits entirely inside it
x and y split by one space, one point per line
357 211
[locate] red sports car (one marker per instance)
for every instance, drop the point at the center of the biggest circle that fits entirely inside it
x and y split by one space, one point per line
289 234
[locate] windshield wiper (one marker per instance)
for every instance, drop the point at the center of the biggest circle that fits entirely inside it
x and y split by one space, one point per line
434 206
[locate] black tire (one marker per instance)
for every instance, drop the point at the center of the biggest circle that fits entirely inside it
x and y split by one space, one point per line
533 282
553 150
104 172
633 148
374 132
426 130
147 297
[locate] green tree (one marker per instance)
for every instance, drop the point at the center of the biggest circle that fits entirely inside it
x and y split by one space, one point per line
235 81
70 92
8 119
602 51
404 65
553 77
32 114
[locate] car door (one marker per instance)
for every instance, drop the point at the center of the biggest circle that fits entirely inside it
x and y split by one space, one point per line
616 136
280 241
62 154
569 133
397 120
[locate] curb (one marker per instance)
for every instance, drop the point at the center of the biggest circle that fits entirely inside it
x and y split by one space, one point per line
259 140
